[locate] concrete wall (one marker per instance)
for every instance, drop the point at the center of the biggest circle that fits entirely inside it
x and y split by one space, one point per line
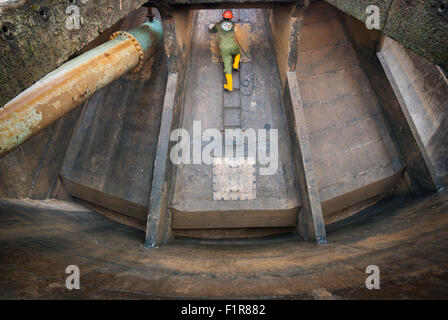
285 22
422 91
365 44
419 25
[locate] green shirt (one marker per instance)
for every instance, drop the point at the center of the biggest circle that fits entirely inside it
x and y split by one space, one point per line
226 33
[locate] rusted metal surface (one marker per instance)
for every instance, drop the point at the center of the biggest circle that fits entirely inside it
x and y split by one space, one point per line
73 82
136 44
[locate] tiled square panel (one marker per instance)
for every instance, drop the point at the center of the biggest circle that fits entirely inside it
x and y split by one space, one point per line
234 178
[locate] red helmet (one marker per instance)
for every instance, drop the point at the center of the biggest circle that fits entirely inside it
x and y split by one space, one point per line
228 14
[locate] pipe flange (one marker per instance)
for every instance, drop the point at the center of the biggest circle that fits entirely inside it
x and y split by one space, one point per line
136 45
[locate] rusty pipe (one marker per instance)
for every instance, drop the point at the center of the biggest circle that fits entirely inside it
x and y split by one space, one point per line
73 82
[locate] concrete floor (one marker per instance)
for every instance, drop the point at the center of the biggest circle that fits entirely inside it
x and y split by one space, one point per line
406 239
260 108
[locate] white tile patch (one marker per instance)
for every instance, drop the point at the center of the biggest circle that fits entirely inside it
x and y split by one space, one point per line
234 178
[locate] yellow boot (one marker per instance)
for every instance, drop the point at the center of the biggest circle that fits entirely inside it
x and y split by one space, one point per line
236 62
229 85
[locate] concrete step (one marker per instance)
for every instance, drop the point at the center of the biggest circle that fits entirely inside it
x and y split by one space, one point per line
232 117
236 79
354 158
232 104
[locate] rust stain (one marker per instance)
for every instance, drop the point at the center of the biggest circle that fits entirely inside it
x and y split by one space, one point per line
60 91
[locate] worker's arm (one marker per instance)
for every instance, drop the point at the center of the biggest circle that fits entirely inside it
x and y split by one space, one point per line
213 29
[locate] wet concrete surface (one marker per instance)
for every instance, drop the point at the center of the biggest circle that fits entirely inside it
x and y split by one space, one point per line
408 241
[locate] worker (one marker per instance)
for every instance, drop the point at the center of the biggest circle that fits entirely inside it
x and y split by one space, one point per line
228 46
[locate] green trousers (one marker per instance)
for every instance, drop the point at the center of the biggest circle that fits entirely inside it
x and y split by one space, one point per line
227 54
